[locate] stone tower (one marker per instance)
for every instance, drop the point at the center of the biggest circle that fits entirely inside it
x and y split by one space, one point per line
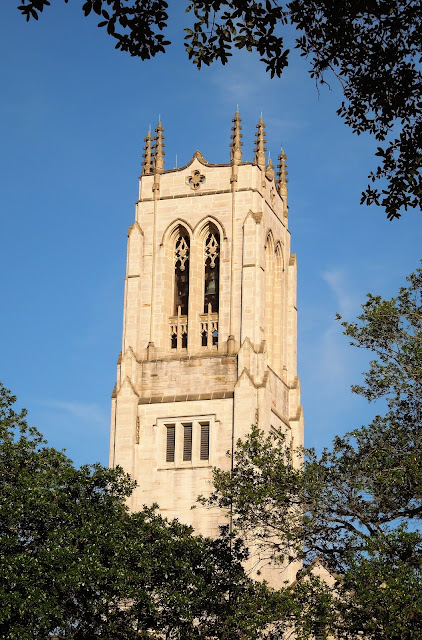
209 327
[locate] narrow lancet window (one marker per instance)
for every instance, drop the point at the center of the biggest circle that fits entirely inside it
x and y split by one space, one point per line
181 276
278 311
187 442
269 298
205 441
171 441
212 272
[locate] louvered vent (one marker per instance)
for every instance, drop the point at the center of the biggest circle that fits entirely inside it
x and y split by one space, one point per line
187 442
205 441
171 438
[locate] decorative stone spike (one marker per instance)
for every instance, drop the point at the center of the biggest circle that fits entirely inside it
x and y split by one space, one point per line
282 179
270 173
147 156
158 161
260 147
236 140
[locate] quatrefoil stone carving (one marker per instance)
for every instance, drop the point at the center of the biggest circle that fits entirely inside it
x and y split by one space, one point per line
195 180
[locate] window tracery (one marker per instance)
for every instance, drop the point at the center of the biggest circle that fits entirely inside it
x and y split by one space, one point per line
209 318
179 320
212 271
181 275
181 253
212 249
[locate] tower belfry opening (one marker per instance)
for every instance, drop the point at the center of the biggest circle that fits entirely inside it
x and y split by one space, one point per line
209 327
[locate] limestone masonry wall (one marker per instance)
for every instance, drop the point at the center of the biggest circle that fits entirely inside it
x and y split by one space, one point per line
181 376
194 375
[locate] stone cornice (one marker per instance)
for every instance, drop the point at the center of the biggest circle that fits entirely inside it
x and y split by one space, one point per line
189 397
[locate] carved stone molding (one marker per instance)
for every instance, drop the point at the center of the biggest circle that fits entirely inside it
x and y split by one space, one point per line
211 249
181 253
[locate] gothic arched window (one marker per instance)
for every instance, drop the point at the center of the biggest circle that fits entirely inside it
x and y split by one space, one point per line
212 271
181 275
278 310
269 297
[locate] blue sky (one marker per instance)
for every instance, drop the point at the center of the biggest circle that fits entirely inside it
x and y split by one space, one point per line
73 115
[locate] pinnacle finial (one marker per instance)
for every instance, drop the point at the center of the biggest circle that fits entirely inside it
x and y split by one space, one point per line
147 156
260 148
270 173
236 139
158 161
282 179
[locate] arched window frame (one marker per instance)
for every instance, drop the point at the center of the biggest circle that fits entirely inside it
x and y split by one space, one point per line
278 302
211 301
180 240
269 296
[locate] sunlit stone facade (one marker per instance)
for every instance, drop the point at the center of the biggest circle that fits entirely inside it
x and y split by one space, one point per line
209 328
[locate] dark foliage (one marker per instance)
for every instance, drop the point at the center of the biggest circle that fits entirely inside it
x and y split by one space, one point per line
358 506
74 562
372 47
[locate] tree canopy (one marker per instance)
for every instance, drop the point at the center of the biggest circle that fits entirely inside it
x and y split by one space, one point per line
74 562
357 507
372 48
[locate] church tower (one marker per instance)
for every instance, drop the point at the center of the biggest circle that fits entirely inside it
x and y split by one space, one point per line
209 327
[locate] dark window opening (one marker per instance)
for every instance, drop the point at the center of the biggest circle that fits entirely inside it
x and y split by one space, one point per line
181 290
174 340
212 273
205 338
181 276
171 441
185 340
215 338
205 441
212 286
187 442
